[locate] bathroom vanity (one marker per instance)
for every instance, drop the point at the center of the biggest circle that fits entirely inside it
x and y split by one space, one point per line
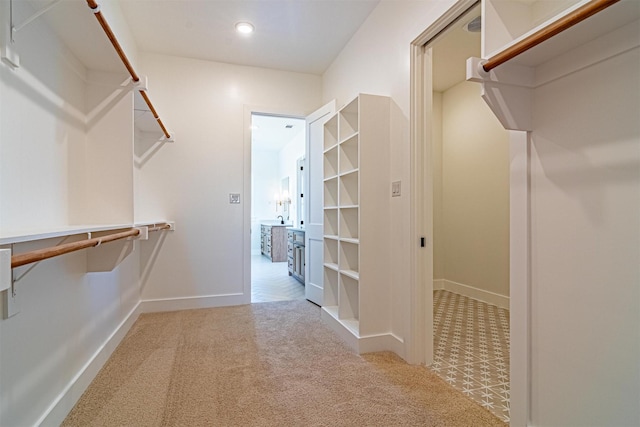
295 253
273 241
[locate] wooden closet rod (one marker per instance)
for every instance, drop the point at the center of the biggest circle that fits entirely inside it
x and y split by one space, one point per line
123 57
566 22
159 227
45 253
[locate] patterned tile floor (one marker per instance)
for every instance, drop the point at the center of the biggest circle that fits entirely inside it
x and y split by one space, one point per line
471 349
270 281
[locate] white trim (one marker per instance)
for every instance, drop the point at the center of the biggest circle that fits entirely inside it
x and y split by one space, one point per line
472 292
419 345
62 405
519 278
364 344
190 303
246 191
438 285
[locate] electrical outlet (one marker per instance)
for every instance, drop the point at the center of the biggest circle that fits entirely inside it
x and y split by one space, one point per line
396 188
234 198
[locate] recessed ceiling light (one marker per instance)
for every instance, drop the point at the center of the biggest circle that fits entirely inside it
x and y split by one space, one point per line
245 27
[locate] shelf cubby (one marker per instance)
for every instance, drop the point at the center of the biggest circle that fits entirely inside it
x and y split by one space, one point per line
348 120
330 222
331 192
331 162
349 223
331 252
331 133
349 155
349 307
331 287
349 257
349 189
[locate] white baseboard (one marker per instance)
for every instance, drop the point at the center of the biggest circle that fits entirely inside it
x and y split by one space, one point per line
471 292
190 303
62 405
364 344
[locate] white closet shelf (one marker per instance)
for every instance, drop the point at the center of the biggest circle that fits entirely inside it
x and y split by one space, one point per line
29 235
350 273
330 148
347 138
350 240
349 172
601 23
331 266
331 237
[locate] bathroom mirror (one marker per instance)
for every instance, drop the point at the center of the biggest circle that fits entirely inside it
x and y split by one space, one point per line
286 198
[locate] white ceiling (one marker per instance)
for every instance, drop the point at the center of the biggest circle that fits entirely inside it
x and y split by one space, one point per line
451 50
271 133
293 35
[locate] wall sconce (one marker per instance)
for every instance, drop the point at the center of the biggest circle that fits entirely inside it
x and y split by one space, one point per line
282 199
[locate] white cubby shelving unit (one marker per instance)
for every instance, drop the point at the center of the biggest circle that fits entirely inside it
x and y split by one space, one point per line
357 280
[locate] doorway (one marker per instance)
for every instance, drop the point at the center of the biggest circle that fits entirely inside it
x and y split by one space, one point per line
277 147
467 150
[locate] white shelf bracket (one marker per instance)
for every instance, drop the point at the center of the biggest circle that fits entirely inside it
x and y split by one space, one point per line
5 269
144 233
29 20
7 286
142 85
7 50
171 138
507 90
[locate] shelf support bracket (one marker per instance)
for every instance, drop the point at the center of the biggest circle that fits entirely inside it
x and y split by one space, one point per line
7 51
9 306
29 20
507 90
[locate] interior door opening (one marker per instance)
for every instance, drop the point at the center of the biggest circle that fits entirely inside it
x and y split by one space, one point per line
470 179
277 145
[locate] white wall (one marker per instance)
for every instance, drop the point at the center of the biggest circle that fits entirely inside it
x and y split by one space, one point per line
585 245
205 105
69 320
376 61
265 182
474 238
42 129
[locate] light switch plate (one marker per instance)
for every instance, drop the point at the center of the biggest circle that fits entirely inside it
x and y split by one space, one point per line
234 198
396 188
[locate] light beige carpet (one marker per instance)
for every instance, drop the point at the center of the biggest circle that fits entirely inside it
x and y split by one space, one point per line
268 364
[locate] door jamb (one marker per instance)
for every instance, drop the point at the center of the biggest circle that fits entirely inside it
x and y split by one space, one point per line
420 348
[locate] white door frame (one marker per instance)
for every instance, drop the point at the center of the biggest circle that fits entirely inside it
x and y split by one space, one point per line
245 198
420 349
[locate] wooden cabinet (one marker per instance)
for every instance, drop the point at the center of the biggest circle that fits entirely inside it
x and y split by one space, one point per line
357 222
295 253
273 240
